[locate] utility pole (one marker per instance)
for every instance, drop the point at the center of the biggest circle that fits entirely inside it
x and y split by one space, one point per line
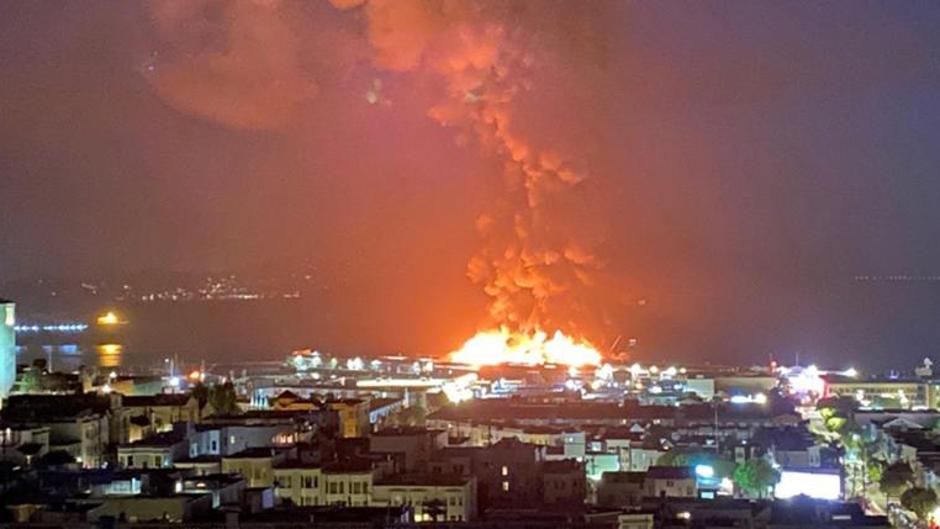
717 441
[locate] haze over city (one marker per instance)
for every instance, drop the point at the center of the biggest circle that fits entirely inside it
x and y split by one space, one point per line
469 264
706 181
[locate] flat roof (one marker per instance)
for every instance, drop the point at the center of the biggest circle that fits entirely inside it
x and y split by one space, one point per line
424 480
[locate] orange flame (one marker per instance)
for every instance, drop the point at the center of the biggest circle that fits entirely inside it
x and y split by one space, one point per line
502 346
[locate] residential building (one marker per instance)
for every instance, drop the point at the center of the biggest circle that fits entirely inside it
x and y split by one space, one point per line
620 489
434 497
349 483
563 482
353 416
413 445
636 521
157 451
256 465
225 489
7 347
163 410
670 482
382 409
23 444
202 465
79 425
169 508
300 483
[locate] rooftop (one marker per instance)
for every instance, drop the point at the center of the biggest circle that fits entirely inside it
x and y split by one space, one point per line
40 408
623 477
205 458
656 472
162 399
214 480
424 480
360 516
256 452
352 466
296 464
563 466
377 404
402 431
160 439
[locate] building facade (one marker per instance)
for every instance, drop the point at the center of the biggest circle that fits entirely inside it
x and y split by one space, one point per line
7 347
434 497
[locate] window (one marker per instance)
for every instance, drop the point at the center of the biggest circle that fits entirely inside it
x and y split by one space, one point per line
157 461
315 484
365 488
505 470
215 446
342 485
129 462
505 486
354 487
333 487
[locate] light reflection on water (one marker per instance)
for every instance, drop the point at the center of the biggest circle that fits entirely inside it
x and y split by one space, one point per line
69 357
110 354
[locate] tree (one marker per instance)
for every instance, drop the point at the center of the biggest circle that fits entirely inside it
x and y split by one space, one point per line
756 476
837 416
919 500
896 479
224 399
201 392
675 458
722 467
875 470
414 415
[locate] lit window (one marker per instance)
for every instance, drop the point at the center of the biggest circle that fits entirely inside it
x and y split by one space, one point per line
505 470
505 486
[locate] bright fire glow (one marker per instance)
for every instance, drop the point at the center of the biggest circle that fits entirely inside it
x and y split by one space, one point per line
108 318
503 346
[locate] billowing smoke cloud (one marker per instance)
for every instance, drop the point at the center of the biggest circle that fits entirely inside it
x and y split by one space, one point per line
234 62
247 64
532 266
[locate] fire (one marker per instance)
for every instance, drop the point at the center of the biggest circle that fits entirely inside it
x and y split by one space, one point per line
108 318
502 346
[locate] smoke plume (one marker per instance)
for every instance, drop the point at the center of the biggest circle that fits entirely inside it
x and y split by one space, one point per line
247 64
236 62
533 266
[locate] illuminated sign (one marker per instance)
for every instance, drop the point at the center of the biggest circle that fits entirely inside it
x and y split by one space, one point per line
822 486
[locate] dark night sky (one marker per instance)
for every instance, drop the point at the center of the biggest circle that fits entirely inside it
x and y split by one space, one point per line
748 160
